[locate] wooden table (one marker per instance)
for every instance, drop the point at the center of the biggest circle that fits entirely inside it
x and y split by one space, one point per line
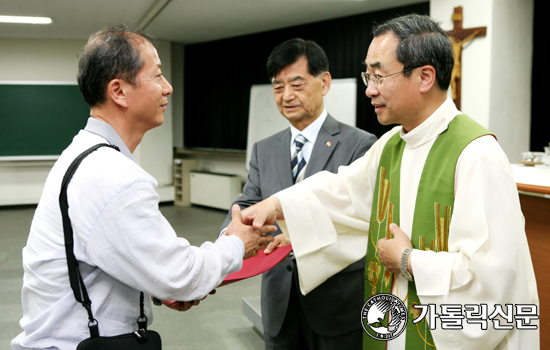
534 188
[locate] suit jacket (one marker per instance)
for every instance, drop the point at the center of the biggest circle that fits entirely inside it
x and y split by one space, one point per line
334 307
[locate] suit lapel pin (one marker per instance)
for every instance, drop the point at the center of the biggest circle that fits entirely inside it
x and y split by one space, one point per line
329 143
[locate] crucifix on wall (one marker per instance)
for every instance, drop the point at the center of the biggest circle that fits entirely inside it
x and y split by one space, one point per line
460 36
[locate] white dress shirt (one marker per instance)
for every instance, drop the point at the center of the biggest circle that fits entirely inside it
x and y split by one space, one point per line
122 242
310 133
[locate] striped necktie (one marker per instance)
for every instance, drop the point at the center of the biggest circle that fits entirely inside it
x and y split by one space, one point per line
298 163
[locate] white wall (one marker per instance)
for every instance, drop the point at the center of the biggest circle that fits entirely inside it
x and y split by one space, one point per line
39 60
21 182
155 152
496 69
511 74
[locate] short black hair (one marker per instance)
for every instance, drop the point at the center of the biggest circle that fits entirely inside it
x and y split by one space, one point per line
421 42
291 51
109 54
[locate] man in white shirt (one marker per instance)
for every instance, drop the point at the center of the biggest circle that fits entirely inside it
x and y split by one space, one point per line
476 254
122 242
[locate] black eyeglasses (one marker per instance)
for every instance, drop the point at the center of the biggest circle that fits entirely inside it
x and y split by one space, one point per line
375 79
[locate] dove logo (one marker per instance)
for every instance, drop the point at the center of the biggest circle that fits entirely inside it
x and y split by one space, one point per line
384 317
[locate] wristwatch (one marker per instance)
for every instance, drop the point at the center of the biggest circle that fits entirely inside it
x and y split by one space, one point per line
404 271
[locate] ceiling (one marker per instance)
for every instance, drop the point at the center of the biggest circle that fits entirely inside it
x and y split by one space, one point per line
183 21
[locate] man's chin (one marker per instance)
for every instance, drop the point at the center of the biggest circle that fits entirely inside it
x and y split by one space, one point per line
385 119
291 117
381 119
157 122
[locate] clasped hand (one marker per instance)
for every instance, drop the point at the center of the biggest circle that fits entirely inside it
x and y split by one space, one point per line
390 250
183 305
254 238
264 214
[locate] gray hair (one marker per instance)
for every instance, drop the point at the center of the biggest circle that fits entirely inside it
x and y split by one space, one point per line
421 42
109 54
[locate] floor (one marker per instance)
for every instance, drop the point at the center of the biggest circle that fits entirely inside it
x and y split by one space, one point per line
217 323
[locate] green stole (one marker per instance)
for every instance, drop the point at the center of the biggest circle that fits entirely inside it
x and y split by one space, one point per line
432 215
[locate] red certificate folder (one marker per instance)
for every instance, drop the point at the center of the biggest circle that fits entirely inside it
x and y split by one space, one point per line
258 264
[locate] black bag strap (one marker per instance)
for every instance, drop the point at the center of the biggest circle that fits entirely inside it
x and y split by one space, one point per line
75 278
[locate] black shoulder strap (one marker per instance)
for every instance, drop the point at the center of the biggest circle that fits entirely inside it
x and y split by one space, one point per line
77 284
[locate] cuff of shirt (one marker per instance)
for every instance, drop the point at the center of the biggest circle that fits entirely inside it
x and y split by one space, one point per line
232 251
432 272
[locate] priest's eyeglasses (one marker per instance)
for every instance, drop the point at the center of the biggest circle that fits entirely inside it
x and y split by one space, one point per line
376 79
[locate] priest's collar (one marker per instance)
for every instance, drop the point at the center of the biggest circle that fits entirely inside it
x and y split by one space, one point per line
431 127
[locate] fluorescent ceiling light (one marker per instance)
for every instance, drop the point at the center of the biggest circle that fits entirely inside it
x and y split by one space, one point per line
23 19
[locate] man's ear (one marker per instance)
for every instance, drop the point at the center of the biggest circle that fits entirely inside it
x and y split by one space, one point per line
117 90
326 78
427 78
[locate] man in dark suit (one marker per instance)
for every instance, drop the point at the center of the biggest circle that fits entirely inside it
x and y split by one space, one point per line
328 317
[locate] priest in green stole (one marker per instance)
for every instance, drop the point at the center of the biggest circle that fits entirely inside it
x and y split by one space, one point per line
432 215
433 203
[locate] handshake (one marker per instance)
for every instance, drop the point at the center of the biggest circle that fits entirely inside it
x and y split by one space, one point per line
252 226
254 237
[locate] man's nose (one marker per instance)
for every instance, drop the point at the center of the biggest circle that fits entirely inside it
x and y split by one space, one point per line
288 94
167 88
371 90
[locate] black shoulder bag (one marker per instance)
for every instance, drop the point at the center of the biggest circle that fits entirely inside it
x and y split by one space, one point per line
141 338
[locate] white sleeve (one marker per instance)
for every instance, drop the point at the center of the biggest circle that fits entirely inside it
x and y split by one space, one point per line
133 242
488 261
327 217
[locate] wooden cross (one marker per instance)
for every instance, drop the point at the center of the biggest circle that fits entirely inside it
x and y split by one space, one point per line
460 36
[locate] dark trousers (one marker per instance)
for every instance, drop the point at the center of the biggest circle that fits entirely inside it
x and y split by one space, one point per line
296 334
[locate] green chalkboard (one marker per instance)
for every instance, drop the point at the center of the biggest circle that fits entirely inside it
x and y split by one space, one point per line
39 120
